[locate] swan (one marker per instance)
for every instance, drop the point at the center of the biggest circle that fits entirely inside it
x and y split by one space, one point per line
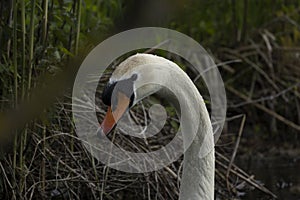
198 171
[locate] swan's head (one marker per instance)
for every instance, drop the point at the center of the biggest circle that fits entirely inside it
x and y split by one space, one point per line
126 87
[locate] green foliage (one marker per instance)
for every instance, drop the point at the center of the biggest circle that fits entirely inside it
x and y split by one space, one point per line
223 22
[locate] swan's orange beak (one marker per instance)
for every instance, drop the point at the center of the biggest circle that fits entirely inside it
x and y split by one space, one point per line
114 113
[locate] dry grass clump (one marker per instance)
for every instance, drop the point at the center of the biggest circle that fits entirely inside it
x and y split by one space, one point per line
56 165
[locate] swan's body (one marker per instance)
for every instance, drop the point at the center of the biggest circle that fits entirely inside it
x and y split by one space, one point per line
198 171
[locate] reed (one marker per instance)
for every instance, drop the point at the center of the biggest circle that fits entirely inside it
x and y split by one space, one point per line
45 23
15 67
23 135
31 45
78 17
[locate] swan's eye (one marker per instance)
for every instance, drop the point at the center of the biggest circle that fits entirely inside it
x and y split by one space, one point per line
134 77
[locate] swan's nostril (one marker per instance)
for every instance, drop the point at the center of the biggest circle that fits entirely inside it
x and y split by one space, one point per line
100 133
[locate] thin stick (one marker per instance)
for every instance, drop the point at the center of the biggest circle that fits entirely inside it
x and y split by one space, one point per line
235 151
263 108
44 161
253 65
260 187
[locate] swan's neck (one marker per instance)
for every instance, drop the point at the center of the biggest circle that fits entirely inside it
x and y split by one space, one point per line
199 161
198 169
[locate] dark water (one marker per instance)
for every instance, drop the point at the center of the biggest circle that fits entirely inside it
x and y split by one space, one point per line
280 174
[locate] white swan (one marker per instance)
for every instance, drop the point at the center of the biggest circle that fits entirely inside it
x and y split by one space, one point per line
198 171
